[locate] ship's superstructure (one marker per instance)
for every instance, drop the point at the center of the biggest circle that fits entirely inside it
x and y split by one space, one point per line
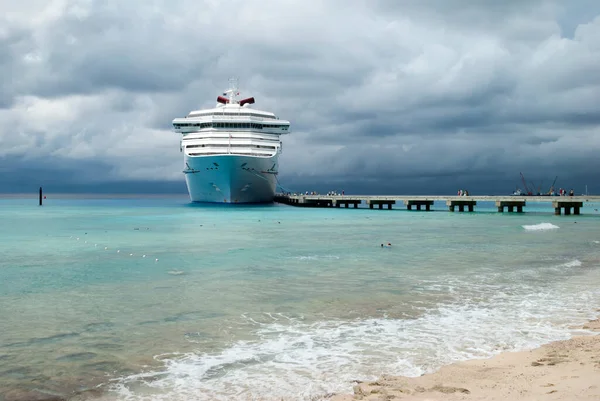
231 152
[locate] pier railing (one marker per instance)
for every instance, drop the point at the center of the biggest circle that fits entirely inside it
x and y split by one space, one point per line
561 204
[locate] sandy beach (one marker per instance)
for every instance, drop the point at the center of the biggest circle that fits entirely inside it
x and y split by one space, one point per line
562 370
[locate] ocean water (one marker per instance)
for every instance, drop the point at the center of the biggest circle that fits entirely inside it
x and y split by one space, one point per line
160 299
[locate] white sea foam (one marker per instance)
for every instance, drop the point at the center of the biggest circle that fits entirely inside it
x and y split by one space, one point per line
294 359
176 272
573 263
540 227
317 257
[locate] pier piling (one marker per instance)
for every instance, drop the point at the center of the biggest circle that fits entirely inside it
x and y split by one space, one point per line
40 196
461 203
346 202
566 207
519 204
380 203
419 203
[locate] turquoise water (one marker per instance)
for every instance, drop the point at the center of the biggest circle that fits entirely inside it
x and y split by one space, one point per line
159 299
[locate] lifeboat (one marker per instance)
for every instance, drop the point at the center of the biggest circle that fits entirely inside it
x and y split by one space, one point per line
222 99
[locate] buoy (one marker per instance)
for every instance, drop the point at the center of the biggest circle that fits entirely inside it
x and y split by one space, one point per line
156 260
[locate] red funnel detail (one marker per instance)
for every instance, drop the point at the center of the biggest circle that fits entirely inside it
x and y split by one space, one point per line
222 99
249 100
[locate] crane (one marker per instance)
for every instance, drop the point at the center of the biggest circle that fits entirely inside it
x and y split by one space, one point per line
527 190
552 186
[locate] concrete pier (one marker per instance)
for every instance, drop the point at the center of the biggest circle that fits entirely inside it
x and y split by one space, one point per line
511 205
562 204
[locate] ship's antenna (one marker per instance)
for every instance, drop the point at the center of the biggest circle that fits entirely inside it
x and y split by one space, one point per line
233 89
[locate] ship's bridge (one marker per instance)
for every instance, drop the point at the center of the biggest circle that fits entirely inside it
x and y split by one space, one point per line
231 117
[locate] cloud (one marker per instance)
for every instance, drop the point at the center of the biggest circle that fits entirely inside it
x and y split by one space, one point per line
413 95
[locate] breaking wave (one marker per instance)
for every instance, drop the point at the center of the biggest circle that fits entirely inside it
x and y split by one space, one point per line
540 227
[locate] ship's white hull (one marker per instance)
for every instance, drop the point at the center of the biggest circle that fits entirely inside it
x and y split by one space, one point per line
231 178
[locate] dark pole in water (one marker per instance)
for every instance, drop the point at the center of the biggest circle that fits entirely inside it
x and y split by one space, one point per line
40 196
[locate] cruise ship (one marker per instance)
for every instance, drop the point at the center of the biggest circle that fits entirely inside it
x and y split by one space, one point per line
231 151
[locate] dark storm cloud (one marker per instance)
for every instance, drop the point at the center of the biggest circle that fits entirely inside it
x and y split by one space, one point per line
57 175
114 48
419 95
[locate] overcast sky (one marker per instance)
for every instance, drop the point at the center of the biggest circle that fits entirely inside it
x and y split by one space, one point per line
384 96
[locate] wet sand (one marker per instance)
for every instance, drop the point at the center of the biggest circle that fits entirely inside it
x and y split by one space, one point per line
562 370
